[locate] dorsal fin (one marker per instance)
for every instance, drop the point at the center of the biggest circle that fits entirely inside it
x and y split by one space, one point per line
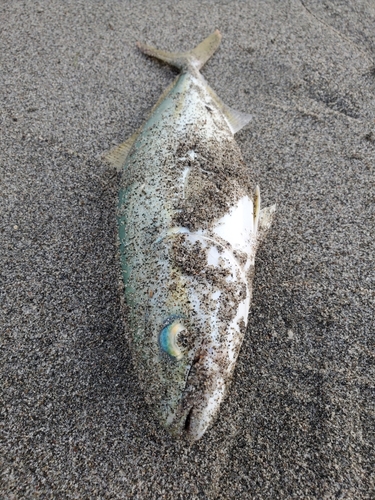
195 58
118 155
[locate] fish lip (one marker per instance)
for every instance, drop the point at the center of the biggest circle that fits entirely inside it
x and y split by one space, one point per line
183 424
191 425
193 421
197 408
177 421
188 400
188 421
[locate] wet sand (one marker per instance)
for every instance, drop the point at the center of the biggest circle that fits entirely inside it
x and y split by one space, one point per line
299 419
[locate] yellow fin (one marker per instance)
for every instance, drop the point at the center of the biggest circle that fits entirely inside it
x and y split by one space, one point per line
163 95
118 155
195 58
262 218
235 119
266 216
256 208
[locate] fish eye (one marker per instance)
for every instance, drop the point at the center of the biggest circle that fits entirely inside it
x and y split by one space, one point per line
172 340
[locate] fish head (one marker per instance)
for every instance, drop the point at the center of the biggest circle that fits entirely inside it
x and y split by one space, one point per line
199 332
189 307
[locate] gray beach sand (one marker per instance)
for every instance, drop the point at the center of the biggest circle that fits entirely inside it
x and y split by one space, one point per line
299 418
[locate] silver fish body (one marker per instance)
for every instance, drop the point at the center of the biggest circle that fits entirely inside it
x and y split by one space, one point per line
189 226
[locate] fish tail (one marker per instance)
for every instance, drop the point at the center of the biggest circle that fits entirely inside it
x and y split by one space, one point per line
194 59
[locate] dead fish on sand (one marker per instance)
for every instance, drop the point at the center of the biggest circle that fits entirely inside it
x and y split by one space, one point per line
189 226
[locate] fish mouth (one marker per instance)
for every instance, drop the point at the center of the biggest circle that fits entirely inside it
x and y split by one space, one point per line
200 401
188 422
196 419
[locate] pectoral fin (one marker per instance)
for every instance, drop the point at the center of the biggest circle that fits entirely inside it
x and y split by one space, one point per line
266 216
262 218
256 204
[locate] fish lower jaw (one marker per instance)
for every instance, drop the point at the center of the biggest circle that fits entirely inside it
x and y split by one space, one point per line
193 422
201 417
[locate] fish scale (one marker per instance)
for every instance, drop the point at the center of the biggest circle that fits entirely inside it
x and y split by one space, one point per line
189 227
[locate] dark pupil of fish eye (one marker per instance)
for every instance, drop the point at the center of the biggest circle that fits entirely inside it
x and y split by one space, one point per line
183 339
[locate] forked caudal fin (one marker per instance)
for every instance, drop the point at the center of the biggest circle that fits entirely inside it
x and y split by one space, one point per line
195 58
192 61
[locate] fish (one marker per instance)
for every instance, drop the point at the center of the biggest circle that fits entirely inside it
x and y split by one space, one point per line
189 226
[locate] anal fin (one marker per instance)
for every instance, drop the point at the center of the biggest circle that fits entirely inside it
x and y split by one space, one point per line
235 119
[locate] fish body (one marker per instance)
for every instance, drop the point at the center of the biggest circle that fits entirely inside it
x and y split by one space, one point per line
189 226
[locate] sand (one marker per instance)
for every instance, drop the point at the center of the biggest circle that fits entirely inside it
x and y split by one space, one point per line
299 418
